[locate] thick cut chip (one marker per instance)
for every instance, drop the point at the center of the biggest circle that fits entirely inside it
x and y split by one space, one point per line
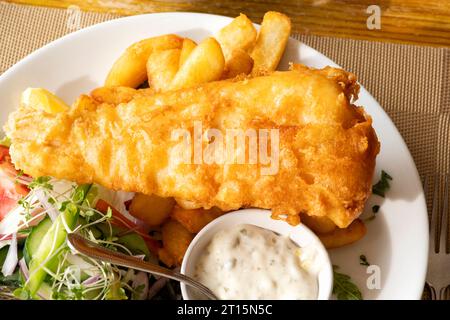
176 240
205 63
153 210
341 237
240 34
162 66
271 42
186 49
130 69
195 219
239 63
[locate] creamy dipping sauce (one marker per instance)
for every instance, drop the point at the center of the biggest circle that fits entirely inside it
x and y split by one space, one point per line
248 262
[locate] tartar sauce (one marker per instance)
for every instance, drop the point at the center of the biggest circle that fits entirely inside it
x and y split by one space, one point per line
248 262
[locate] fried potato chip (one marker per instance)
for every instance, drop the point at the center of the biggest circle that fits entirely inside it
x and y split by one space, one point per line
153 210
186 49
271 42
318 224
240 34
176 240
195 219
205 63
162 66
238 63
341 237
113 95
166 258
130 69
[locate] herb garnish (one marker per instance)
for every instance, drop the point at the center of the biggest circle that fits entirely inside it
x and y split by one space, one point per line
382 186
363 260
20 173
42 182
344 288
375 210
27 207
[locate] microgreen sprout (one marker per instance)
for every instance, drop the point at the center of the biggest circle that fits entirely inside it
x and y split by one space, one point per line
41 182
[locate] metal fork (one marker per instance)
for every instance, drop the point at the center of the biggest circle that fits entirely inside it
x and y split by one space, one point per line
438 275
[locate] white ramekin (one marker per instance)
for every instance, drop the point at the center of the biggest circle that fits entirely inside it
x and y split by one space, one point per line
299 234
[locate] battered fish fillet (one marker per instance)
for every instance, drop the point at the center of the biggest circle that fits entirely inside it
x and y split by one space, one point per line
327 146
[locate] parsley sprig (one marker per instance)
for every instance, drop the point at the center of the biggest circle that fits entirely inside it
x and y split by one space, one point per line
363 260
382 186
344 288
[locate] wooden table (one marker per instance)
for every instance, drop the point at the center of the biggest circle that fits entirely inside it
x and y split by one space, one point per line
423 22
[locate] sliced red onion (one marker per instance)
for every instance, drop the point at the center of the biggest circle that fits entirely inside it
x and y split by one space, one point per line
116 199
51 210
11 258
156 287
91 280
24 268
6 241
35 221
119 200
13 221
139 280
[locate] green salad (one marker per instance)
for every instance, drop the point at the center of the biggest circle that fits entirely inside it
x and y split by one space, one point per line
38 263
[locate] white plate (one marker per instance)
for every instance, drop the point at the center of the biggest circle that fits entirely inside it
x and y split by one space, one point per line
397 240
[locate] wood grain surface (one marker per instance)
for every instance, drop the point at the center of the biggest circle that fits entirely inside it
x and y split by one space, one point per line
403 21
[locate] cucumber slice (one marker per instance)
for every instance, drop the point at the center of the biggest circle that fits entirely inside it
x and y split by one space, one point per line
106 231
135 244
45 255
95 231
51 242
35 237
45 292
3 254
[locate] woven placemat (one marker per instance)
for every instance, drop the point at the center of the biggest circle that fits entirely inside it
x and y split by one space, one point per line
411 83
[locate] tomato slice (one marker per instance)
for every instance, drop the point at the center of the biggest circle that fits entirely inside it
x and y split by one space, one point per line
4 152
10 190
